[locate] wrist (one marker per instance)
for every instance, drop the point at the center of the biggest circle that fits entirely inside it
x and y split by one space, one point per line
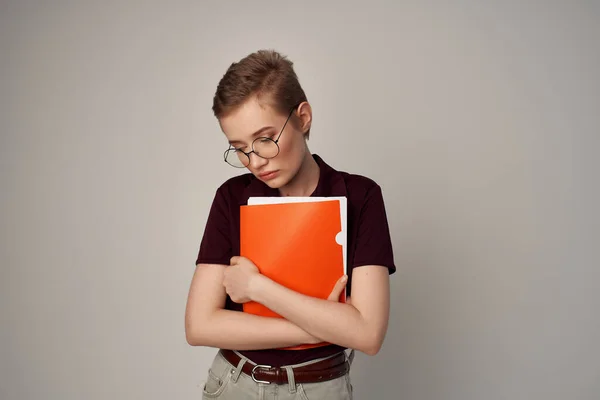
257 286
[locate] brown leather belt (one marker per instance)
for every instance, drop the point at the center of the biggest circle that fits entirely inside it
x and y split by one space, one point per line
325 370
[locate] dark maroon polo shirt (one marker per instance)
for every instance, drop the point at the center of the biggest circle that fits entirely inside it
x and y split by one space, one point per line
368 242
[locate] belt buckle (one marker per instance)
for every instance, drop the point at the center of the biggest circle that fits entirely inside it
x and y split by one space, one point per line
254 370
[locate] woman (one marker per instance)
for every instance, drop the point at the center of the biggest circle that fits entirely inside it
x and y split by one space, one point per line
265 115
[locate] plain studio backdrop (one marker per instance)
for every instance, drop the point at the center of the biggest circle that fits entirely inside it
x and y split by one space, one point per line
480 120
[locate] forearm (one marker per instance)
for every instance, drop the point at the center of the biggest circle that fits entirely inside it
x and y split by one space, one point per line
227 329
334 322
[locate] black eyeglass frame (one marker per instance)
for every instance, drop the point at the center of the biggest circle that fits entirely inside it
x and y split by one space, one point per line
259 138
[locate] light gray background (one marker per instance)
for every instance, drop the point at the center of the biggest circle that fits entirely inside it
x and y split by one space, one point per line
479 120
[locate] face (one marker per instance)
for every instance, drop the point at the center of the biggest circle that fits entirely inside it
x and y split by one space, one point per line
252 120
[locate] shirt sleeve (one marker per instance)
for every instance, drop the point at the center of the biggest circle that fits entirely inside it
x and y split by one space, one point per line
215 247
373 243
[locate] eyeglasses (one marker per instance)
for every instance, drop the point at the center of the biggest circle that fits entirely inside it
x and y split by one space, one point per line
263 147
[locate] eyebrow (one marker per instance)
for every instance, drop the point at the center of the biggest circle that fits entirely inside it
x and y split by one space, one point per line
255 134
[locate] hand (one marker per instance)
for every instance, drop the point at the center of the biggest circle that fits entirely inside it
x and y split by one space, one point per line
338 288
238 279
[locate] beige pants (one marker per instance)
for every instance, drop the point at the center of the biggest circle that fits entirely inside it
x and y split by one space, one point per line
227 382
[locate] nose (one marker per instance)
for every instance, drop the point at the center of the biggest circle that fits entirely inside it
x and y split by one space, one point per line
256 162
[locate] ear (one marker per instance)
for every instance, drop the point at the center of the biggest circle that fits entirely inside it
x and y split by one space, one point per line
304 114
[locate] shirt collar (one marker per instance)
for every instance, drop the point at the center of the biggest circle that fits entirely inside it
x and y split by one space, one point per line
331 182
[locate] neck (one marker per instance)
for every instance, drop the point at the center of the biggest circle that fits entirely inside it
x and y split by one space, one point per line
306 180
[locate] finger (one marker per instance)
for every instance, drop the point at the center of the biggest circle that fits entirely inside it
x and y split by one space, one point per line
234 260
338 288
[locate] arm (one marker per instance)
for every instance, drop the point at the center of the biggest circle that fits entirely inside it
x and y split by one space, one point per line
208 324
361 325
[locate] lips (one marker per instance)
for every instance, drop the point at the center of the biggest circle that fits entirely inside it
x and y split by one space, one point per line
268 175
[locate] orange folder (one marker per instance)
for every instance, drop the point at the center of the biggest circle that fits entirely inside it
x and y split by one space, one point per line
295 245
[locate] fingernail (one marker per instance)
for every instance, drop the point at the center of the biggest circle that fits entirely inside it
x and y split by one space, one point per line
344 278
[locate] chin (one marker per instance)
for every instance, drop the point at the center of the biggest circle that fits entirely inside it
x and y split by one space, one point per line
274 183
